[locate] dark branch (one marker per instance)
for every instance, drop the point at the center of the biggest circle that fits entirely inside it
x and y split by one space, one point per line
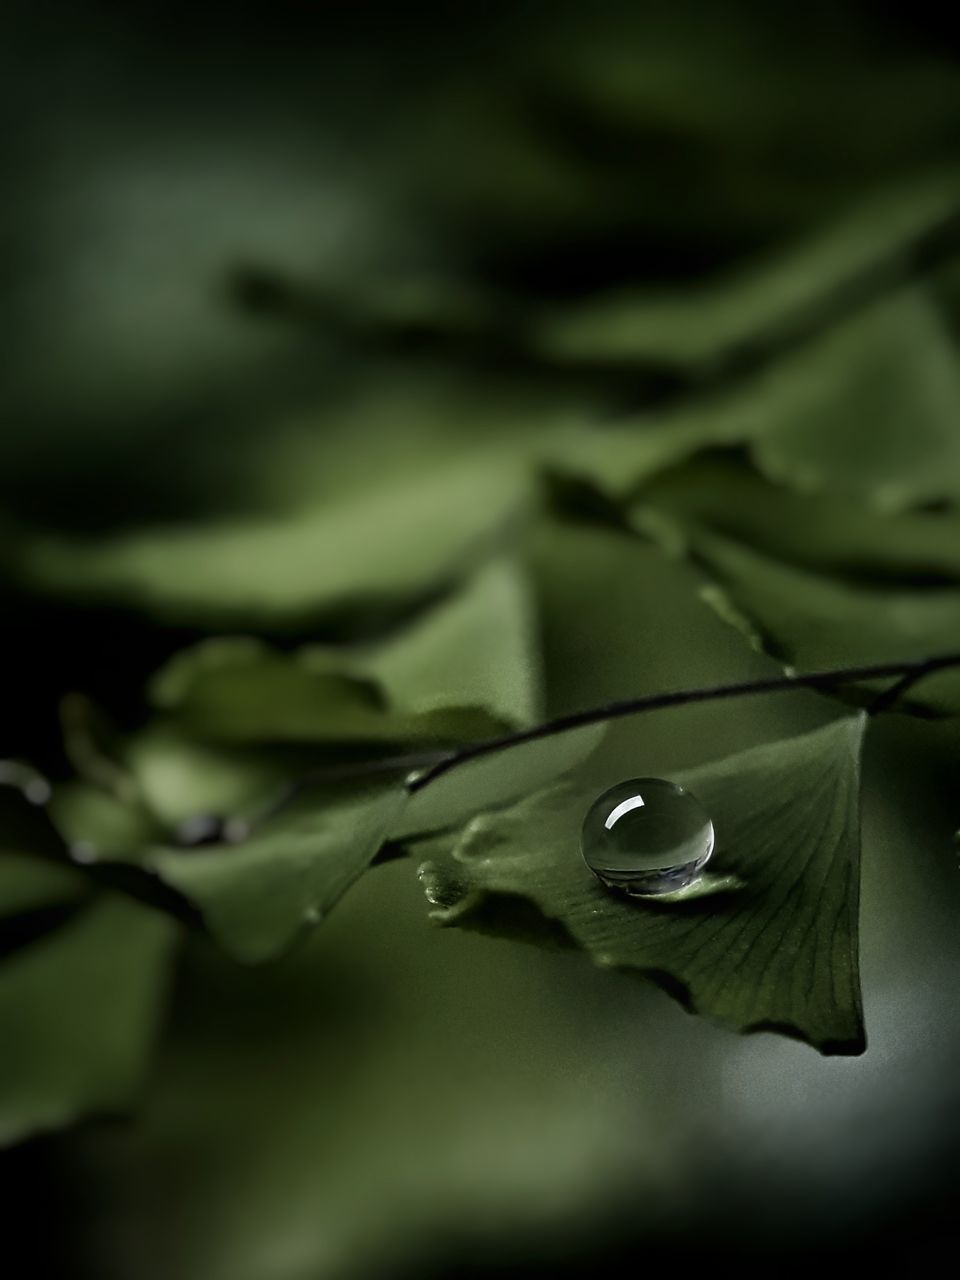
910 673
919 671
433 764
146 887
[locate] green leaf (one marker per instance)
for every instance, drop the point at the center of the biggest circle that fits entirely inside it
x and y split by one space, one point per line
28 883
94 822
467 667
238 689
870 409
387 543
32 877
621 620
478 649
780 953
256 896
79 1015
810 622
701 326
816 531
867 410
179 777
622 457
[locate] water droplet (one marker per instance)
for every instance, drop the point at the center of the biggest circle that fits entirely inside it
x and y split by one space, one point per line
647 837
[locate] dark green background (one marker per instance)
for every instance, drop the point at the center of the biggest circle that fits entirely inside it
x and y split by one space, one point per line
203 208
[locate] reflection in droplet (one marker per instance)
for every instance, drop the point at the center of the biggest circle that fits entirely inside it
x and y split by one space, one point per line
647 837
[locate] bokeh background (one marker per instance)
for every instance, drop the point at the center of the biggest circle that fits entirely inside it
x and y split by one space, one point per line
260 262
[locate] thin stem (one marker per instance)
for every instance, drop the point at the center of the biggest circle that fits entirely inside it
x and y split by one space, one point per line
348 773
910 673
143 885
434 764
889 697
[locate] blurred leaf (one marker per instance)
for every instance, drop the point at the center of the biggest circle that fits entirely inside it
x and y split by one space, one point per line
621 457
779 954
476 650
811 622
94 746
286 1128
867 409
466 668
870 409
613 145
78 1016
622 620
242 690
94 822
817 531
24 821
180 777
387 544
39 890
256 896
32 877
761 306
28 883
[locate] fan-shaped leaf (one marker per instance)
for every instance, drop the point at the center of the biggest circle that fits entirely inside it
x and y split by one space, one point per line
781 952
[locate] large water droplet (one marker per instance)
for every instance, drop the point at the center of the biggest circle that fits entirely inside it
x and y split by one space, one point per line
647 837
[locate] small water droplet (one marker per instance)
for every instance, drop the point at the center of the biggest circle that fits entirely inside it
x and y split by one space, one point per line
83 851
313 915
647 837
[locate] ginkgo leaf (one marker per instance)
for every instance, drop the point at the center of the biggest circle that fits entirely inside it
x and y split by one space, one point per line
243 720
257 895
179 776
869 409
477 649
812 622
467 667
387 543
701 325
28 883
780 953
94 822
865 410
239 689
39 888
282 854
79 1013
825 532
621 456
